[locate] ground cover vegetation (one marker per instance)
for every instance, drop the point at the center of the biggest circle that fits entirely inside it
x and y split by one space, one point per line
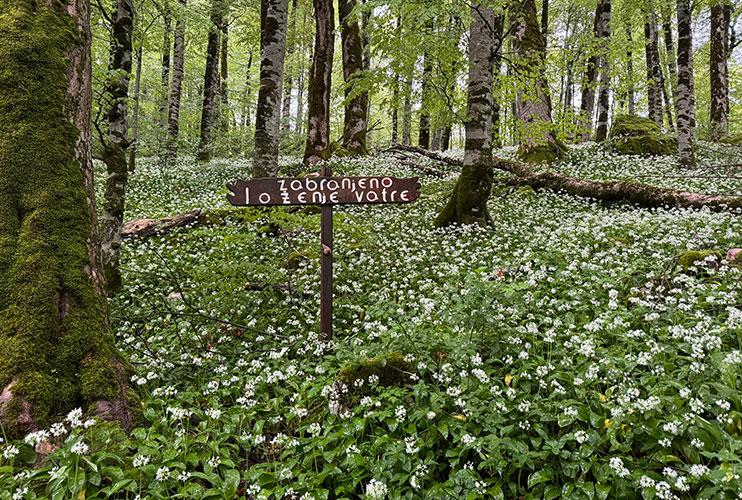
564 353
558 315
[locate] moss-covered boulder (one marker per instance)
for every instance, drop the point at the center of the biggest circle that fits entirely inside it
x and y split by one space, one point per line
297 258
391 370
543 153
634 135
704 258
732 140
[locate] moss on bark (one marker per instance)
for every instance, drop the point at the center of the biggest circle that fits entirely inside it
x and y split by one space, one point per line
51 318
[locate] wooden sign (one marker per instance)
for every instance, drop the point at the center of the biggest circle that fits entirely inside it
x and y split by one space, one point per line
326 191
323 191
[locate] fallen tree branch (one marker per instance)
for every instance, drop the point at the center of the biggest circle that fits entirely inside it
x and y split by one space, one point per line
428 170
144 228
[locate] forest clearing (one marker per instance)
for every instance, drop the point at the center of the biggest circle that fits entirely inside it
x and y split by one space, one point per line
375 249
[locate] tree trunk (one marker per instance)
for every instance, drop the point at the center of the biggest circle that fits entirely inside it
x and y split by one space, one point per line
176 86
538 144
300 84
223 115
670 59
446 137
468 202
320 81
246 97
719 117
497 32
423 136
211 84
288 87
407 114
58 353
545 21
273 17
601 131
666 99
685 70
116 90
395 109
630 69
356 108
587 103
135 115
654 90
165 74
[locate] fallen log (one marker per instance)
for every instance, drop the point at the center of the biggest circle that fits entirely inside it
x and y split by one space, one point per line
144 228
428 170
642 195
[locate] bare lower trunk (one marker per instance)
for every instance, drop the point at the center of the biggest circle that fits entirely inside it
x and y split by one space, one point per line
318 119
587 104
685 70
114 150
223 115
719 116
135 115
356 109
407 114
274 14
211 84
289 79
423 136
630 70
395 109
468 202
670 57
654 90
165 73
58 353
176 86
601 131
538 143
300 84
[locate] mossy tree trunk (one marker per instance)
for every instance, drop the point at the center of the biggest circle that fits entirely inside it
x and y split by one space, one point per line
176 84
718 71
538 142
273 17
320 82
468 202
211 83
356 108
685 70
116 90
58 353
601 131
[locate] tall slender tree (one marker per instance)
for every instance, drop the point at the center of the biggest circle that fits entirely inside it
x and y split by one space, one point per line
176 85
356 107
115 144
273 17
587 103
58 353
630 97
289 77
685 89
719 72
468 202
423 134
320 81
601 131
211 83
654 89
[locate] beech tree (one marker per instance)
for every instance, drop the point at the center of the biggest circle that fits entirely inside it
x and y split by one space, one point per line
211 83
320 83
116 143
58 353
468 202
685 89
273 16
176 85
601 131
654 89
356 108
719 74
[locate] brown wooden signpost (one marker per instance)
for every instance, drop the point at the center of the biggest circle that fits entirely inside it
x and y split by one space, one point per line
326 191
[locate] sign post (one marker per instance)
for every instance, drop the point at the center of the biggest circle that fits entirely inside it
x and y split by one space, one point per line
326 191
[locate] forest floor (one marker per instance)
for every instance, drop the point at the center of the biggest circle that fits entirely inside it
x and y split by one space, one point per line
565 352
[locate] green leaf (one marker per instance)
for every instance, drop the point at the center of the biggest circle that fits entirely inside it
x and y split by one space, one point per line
539 477
26 454
231 482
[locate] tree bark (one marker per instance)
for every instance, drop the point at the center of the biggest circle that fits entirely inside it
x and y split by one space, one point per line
719 116
288 87
538 143
176 86
630 70
273 17
654 91
670 57
211 84
468 202
223 115
587 103
135 114
320 81
165 73
356 108
601 131
300 84
423 136
407 114
58 353
497 33
685 70
116 91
